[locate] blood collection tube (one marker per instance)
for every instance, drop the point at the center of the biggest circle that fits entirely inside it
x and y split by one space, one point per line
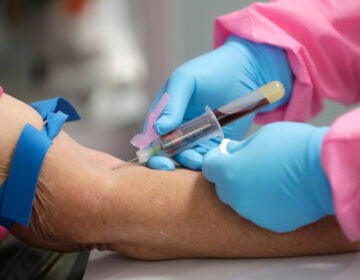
250 102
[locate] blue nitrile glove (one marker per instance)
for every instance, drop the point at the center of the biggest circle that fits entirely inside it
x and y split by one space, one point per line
215 79
274 178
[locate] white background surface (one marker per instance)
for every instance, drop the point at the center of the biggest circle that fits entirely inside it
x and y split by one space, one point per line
105 265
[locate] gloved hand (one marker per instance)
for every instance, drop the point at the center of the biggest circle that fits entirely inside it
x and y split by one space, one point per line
215 79
274 178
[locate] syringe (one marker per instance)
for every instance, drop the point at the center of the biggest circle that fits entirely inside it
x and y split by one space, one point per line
209 124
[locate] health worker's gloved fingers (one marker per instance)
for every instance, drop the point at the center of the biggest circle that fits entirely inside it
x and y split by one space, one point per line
218 167
214 165
190 159
180 86
234 146
193 158
214 169
270 64
161 163
204 147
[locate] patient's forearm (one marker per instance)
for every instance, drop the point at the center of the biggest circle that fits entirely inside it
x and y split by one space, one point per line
177 214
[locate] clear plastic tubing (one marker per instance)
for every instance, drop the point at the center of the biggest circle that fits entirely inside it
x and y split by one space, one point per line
209 124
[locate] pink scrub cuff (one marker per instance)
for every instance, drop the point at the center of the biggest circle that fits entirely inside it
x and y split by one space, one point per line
340 157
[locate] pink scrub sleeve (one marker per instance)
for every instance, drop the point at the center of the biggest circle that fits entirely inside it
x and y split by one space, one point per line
340 157
322 41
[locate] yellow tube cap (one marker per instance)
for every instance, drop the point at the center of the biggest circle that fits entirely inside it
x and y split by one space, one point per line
273 91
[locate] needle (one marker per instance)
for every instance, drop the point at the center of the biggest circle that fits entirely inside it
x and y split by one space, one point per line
126 162
133 160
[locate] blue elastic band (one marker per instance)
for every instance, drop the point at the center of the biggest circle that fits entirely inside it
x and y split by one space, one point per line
18 192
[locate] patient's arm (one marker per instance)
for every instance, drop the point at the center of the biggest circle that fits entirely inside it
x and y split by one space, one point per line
177 214
82 203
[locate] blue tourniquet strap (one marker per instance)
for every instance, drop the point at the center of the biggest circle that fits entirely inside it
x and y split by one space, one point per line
18 192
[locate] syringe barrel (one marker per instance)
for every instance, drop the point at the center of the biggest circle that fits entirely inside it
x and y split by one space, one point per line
209 124
189 134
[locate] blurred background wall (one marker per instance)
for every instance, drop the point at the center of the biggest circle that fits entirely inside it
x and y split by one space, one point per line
108 57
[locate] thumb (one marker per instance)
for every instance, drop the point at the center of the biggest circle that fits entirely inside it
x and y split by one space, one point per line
234 146
214 165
